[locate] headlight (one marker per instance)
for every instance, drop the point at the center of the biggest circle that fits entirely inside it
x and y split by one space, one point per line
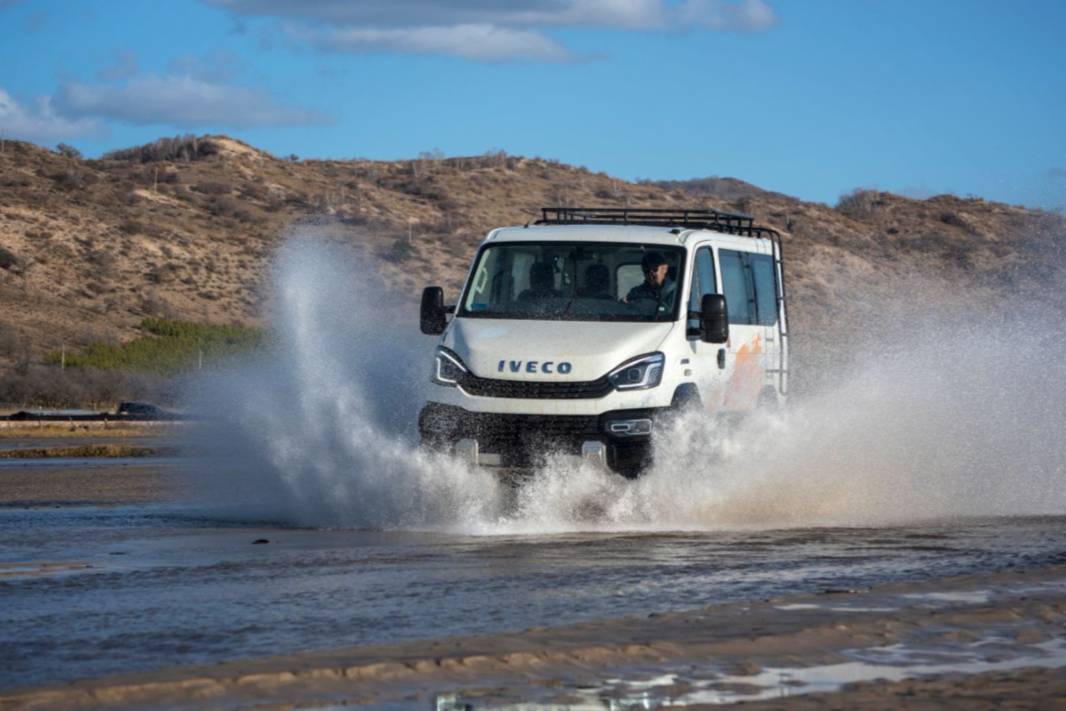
448 369
638 374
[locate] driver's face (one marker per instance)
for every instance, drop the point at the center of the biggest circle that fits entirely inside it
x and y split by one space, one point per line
658 275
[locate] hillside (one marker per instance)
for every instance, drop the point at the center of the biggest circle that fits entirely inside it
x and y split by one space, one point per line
185 228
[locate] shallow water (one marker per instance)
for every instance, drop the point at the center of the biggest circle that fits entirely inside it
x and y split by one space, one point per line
921 461
700 685
166 587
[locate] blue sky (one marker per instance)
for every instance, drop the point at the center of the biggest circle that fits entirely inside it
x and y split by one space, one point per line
811 98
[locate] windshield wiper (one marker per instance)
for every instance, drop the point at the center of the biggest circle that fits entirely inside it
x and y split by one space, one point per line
566 309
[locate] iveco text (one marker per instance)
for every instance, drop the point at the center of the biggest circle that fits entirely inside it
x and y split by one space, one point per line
575 334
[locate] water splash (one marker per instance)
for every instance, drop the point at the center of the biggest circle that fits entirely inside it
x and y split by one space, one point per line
937 421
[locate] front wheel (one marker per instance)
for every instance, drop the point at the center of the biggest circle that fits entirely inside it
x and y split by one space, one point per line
629 459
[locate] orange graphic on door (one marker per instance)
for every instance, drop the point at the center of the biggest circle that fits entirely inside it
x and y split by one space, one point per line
746 381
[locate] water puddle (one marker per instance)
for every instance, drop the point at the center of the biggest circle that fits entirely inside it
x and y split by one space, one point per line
832 608
890 663
967 597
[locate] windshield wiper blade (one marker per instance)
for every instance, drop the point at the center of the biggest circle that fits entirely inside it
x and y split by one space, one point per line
566 309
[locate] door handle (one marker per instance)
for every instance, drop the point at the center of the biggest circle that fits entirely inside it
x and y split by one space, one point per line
721 359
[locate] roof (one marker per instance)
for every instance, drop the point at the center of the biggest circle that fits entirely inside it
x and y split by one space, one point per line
634 234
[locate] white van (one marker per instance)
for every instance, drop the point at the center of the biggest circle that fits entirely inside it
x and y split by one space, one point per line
574 334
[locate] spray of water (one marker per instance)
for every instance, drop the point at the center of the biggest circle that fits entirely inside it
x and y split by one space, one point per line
939 420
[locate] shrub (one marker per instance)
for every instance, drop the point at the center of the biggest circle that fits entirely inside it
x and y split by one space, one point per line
860 202
186 148
226 206
168 347
131 227
73 179
400 251
9 261
213 187
68 151
252 191
954 219
152 175
50 386
103 262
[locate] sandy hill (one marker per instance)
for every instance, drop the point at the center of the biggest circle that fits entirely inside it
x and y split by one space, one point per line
186 228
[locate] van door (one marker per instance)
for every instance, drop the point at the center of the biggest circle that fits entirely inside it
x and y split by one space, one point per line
745 351
708 370
763 273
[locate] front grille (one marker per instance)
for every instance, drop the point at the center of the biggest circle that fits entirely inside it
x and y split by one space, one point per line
564 429
532 389
525 440
520 438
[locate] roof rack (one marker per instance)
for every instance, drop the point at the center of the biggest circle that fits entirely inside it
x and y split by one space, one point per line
701 218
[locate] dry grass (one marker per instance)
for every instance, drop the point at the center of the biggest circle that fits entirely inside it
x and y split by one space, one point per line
186 229
86 450
97 430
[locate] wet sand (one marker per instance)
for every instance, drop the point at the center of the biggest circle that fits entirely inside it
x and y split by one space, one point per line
85 482
991 640
85 464
1007 630
1030 688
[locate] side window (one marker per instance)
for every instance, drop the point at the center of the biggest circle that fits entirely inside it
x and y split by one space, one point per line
694 296
703 282
626 277
739 295
762 269
705 267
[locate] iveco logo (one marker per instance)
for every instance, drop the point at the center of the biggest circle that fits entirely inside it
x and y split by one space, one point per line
534 366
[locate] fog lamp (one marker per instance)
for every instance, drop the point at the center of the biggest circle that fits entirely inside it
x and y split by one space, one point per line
629 428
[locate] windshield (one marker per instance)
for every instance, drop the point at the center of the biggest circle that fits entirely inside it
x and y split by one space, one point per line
567 281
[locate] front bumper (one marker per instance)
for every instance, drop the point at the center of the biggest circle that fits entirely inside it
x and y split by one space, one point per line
524 441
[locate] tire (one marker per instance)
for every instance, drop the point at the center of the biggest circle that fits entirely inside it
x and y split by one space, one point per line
629 459
686 398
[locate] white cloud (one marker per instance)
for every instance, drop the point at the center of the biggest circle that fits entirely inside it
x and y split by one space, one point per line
489 30
631 14
219 66
727 15
176 100
478 42
40 123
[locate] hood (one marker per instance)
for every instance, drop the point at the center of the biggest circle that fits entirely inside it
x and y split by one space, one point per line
538 350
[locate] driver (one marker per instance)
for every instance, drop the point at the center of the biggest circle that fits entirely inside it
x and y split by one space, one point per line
655 285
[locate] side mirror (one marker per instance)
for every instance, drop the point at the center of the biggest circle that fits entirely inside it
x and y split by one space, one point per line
432 316
714 321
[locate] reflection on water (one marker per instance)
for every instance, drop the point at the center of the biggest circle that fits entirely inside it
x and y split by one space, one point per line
158 586
704 686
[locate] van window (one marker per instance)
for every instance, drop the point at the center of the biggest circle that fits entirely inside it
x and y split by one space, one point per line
628 276
705 267
703 282
737 287
762 269
571 281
